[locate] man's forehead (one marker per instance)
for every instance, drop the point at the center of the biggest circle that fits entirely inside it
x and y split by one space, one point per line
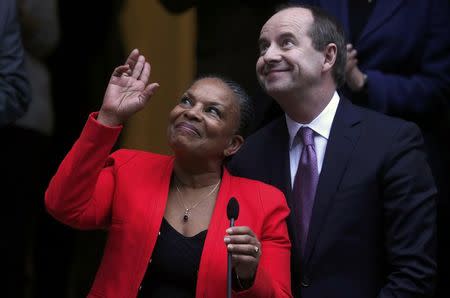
290 20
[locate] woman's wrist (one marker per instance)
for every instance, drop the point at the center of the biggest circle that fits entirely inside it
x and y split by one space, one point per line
107 120
240 284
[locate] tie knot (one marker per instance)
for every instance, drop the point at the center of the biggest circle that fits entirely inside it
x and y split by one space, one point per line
306 134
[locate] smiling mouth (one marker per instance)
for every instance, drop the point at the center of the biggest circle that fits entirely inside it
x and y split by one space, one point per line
273 71
191 129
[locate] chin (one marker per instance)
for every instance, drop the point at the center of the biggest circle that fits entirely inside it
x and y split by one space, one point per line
275 88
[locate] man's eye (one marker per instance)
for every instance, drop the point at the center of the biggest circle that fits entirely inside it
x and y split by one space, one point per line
263 49
287 43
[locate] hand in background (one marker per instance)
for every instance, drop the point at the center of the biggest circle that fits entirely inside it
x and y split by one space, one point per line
127 91
246 250
353 76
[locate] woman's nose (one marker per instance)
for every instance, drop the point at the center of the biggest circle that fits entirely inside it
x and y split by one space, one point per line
193 112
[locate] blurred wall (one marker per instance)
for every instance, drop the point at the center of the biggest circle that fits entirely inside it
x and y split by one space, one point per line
168 43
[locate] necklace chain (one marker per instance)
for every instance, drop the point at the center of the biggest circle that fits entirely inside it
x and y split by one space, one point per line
187 211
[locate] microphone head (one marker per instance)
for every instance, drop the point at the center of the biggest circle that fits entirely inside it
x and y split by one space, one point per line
233 209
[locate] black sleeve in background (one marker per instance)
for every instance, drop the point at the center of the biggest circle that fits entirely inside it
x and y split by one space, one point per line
14 86
177 6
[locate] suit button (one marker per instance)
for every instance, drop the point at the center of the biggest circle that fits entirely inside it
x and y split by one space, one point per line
305 282
150 261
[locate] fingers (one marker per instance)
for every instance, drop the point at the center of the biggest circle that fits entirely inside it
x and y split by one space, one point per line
240 230
351 54
145 74
149 91
242 241
120 70
132 58
138 67
245 249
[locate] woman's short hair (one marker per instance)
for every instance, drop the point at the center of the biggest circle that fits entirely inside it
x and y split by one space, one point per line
246 110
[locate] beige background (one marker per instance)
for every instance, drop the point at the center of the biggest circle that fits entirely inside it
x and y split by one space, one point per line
168 43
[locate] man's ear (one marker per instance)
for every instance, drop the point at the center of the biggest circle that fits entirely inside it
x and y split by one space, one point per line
330 53
235 143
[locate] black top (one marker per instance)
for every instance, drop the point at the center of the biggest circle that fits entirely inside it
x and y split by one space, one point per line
174 264
359 12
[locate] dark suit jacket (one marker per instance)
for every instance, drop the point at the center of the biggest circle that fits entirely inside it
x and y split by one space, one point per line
372 230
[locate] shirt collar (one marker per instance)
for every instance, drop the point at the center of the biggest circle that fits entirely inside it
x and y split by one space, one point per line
321 124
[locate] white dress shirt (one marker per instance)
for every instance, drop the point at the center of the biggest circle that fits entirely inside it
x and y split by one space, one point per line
321 126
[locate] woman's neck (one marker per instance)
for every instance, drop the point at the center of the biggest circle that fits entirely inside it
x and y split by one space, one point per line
196 176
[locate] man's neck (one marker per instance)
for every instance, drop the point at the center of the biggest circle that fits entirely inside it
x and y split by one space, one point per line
305 106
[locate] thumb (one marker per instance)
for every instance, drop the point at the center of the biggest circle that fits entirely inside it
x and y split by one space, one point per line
148 92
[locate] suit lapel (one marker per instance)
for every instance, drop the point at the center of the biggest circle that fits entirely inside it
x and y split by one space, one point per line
279 167
344 135
213 270
280 177
383 10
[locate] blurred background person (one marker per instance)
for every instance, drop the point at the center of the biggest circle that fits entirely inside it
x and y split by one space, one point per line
90 45
15 96
14 86
399 64
32 147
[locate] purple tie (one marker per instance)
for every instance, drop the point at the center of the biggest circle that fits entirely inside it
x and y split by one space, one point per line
305 182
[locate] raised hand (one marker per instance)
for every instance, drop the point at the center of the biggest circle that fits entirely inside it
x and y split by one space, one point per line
127 91
245 248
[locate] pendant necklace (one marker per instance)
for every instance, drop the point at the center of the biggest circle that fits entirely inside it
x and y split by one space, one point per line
187 211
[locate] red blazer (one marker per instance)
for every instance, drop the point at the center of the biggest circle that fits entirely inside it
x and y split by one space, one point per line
126 193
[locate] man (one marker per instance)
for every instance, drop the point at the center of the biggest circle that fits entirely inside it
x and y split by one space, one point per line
398 63
362 204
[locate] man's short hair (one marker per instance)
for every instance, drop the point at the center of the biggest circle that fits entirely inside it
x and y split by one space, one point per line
324 30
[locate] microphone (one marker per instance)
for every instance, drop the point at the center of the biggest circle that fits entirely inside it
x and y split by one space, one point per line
232 214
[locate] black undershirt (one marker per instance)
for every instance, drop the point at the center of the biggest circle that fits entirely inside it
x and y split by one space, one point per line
175 263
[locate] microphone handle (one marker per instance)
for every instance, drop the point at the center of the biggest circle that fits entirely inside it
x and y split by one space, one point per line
229 278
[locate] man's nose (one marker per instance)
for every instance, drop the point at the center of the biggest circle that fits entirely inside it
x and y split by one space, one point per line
272 54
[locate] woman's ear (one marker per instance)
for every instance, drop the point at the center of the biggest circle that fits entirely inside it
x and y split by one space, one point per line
235 143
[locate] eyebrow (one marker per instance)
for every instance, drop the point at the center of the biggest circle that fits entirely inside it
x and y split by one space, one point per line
287 34
280 36
209 102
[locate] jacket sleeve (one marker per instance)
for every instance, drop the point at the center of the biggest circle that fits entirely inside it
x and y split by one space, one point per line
15 93
273 276
81 192
410 218
426 92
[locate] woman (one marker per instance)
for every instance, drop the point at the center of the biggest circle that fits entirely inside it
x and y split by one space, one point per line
168 229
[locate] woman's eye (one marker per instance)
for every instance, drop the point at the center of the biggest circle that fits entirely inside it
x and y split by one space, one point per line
214 111
185 101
